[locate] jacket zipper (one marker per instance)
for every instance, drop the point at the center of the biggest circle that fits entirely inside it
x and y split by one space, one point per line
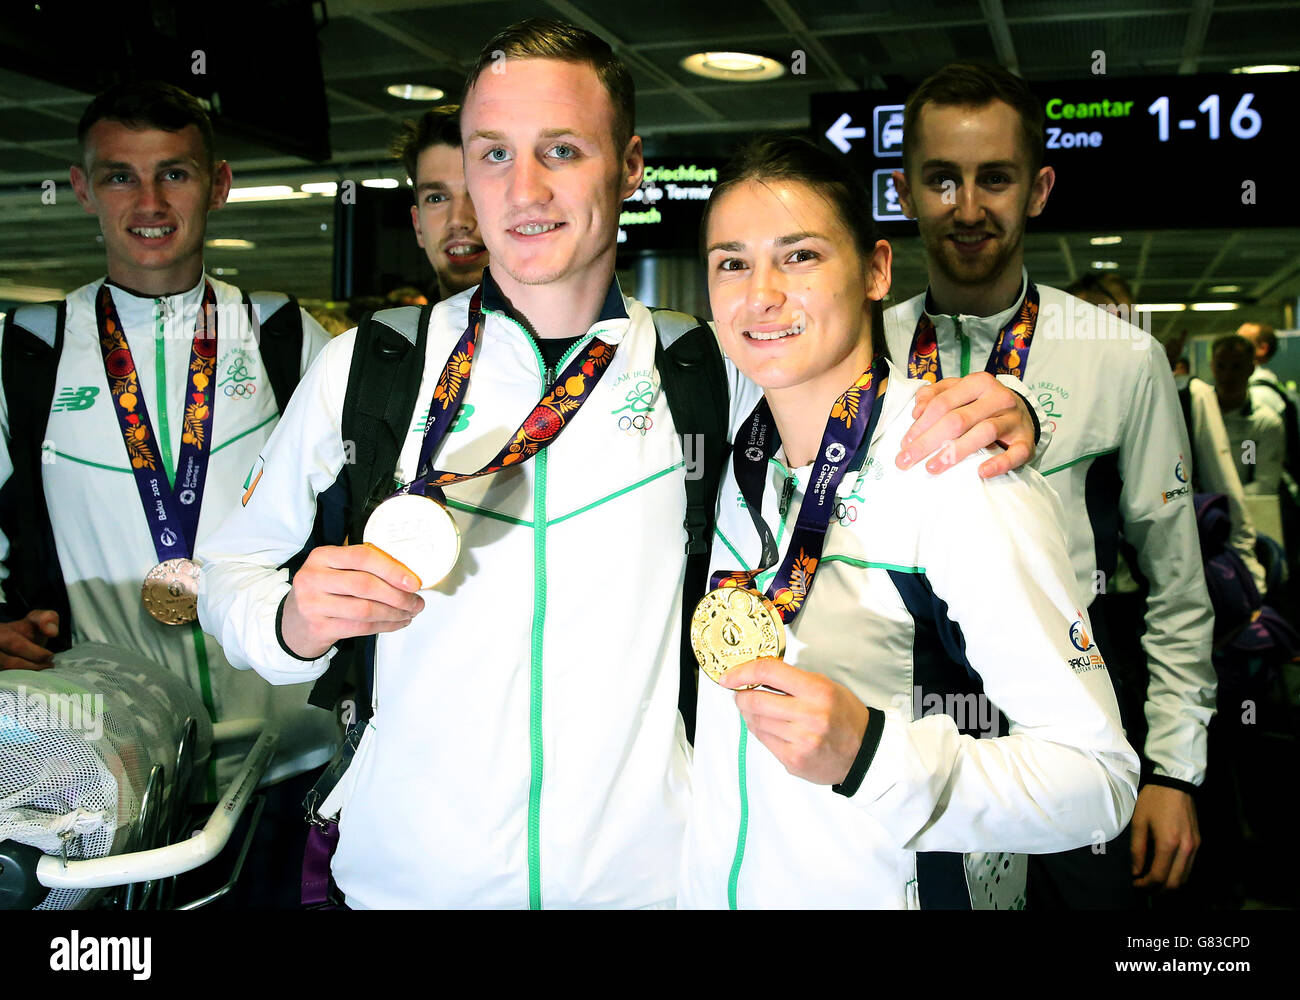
742 831
535 672
162 312
965 346
787 491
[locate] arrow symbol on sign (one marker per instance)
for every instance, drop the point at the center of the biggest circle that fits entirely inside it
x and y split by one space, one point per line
840 133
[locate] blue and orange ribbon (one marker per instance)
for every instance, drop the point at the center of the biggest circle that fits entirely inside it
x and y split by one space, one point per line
552 413
848 429
171 508
1010 355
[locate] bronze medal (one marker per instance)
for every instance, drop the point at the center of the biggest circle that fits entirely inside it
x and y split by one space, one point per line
733 625
419 533
171 592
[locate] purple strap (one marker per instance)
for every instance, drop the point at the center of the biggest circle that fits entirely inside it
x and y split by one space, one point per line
322 842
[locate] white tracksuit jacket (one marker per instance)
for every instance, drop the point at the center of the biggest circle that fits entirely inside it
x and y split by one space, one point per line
945 596
100 529
525 748
1120 460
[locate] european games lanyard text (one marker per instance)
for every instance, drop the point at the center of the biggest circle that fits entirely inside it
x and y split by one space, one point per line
1010 355
851 422
554 410
172 509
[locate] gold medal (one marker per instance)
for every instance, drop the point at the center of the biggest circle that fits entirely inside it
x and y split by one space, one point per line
733 625
419 533
171 592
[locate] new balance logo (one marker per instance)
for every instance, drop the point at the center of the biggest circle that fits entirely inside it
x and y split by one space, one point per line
81 397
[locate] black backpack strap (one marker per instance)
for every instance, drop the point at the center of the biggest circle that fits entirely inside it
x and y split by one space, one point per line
378 407
277 326
694 380
1185 403
33 343
1291 420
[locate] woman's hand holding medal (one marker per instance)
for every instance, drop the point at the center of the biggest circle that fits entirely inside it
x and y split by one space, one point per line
343 591
815 728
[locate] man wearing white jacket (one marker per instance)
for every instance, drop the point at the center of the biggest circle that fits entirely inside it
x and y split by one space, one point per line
525 748
1119 455
149 175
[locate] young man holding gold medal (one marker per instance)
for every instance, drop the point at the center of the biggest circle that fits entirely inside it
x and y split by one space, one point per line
162 399
525 748
1118 456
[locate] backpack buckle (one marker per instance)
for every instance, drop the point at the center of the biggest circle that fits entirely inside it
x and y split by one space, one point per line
697 532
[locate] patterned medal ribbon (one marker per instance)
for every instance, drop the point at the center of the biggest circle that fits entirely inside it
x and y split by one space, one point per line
543 425
852 420
171 509
1010 355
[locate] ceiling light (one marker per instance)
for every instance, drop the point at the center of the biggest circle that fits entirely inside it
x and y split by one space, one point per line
379 182
1224 289
1160 307
321 187
29 293
733 66
1268 68
1105 241
273 192
415 92
1214 307
224 244
1104 265
225 271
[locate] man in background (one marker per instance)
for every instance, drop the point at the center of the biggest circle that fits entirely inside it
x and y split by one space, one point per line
443 217
136 371
1256 432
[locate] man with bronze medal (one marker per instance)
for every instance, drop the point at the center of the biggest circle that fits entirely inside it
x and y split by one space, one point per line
1117 455
141 450
525 748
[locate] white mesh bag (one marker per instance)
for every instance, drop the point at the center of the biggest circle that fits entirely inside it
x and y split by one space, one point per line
77 744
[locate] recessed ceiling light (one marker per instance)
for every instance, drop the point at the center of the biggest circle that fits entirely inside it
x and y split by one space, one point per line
1104 265
415 92
225 271
321 187
1160 307
1224 289
1268 68
736 67
379 182
224 244
272 192
1214 307
1105 241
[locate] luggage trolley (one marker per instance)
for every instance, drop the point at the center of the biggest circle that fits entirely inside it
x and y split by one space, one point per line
99 755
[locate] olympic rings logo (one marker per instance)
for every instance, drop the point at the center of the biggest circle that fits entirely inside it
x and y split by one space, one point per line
635 425
240 389
846 513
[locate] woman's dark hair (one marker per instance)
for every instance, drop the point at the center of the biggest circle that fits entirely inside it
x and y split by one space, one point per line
785 157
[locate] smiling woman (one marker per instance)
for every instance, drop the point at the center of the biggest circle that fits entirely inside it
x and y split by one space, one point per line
913 578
